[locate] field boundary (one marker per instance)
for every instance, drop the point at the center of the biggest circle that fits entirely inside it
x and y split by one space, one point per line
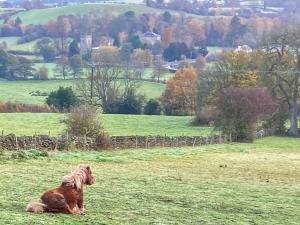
44 142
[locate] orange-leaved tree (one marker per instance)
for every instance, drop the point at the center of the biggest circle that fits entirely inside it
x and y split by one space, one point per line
180 95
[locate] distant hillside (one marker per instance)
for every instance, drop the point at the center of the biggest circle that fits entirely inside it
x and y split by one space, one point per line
42 16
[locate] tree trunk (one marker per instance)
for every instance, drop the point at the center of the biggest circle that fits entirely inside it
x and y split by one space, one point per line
293 131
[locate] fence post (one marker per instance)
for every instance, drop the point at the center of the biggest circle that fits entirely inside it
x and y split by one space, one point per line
230 138
194 141
24 141
147 142
17 145
34 142
136 141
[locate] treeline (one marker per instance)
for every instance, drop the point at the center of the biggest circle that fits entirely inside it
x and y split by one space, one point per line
192 31
203 7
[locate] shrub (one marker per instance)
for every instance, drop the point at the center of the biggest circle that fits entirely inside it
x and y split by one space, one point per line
62 99
205 117
26 155
152 107
239 110
83 121
9 107
43 73
130 103
180 95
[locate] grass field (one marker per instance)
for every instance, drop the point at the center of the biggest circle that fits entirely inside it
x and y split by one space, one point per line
50 66
165 75
42 123
259 185
42 16
13 45
20 91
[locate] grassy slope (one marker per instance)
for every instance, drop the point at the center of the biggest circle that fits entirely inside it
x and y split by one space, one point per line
42 16
260 185
13 45
19 91
31 123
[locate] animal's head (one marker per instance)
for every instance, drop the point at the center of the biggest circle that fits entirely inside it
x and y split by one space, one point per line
90 179
80 176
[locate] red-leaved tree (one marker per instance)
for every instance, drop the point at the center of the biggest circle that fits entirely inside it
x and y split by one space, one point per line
240 109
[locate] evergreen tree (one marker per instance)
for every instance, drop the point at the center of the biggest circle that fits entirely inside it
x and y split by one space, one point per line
73 48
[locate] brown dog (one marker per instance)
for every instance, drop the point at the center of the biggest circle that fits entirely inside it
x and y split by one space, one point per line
68 197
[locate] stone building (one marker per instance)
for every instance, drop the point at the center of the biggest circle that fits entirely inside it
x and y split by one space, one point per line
85 44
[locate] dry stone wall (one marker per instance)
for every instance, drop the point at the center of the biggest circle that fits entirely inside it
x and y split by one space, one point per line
45 142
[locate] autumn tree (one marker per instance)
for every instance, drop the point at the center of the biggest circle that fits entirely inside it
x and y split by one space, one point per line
43 73
64 27
167 35
195 28
260 28
179 98
142 57
282 65
234 69
60 29
106 55
239 111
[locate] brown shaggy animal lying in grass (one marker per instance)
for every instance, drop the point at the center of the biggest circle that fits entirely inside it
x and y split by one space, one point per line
68 197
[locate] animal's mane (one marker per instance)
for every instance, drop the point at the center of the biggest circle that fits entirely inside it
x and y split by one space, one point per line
76 179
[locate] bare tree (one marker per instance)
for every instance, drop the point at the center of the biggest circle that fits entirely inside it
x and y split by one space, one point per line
282 59
106 83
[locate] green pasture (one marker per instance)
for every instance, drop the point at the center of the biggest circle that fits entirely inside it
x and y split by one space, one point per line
149 72
24 91
232 184
50 67
42 16
45 123
13 45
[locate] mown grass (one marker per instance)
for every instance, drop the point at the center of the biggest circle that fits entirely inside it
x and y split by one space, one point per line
260 184
43 123
21 91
